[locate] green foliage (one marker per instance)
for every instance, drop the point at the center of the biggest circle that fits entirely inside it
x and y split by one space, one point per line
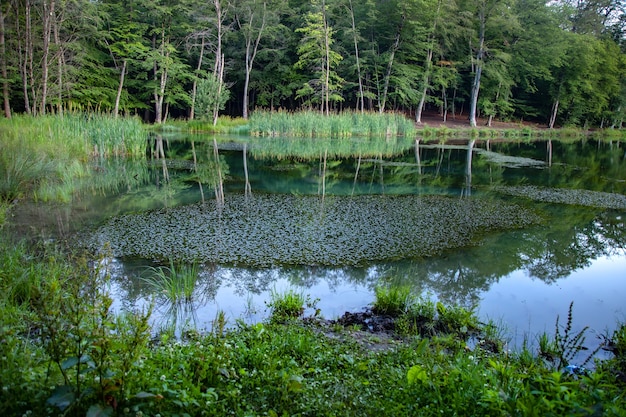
64 352
566 345
211 97
83 357
415 315
393 300
288 305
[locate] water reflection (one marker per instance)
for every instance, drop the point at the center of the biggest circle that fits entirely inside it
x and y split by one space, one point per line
497 269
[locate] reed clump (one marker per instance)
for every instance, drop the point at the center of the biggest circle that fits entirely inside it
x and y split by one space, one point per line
57 149
316 124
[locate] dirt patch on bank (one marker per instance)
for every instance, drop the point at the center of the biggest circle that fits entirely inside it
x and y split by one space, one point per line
461 121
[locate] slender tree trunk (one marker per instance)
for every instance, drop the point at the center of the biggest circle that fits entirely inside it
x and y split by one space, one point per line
159 92
220 78
22 53
251 51
218 69
326 92
48 16
361 102
3 69
425 79
194 88
478 71
60 64
394 48
555 109
120 87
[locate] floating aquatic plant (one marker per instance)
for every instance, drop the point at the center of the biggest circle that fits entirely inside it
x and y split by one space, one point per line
568 196
510 161
305 230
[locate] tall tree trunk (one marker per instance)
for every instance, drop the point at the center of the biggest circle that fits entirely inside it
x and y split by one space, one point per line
220 83
48 16
60 55
425 79
327 63
361 102
218 69
27 70
479 69
3 68
161 77
194 88
120 87
394 48
251 51
555 109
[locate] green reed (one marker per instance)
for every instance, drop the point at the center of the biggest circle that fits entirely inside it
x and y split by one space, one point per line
314 148
315 124
54 150
175 284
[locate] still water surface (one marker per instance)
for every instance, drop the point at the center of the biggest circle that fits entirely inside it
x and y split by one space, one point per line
298 195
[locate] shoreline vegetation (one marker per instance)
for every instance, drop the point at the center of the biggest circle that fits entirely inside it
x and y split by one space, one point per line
63 351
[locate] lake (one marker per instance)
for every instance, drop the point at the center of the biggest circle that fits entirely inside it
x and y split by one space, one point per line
516 229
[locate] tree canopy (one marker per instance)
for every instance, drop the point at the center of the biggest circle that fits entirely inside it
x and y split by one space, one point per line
559 63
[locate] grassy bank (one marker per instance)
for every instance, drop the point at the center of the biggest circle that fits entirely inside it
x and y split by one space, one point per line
64 352
312 124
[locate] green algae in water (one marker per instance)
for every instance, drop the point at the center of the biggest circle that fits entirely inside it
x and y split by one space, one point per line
267 230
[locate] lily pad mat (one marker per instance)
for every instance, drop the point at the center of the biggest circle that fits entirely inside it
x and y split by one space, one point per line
269 229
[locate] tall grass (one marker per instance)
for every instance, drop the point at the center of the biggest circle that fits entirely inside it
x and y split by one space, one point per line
54 149
315 124
75 135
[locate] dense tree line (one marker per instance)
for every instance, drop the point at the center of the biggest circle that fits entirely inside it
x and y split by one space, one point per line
556 62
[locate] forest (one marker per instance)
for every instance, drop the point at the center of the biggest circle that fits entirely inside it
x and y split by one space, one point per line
557 63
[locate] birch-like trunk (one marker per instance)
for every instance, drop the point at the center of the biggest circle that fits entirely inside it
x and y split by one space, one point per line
555 109
251 50
425 80
194 88
479 69
3 69
48 16
120 87
361 104
394 48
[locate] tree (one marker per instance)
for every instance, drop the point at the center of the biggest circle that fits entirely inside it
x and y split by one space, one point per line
210 97
315 53
168 70
491 25
3 64
122 38
254 19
